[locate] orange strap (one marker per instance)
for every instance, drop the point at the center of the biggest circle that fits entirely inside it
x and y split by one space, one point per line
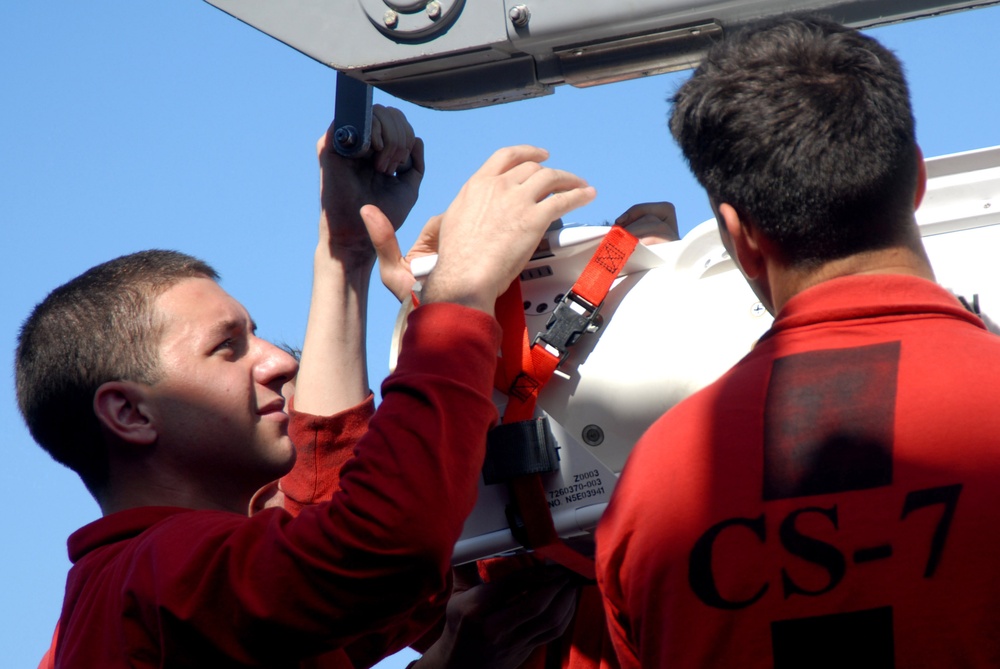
525 368
605 265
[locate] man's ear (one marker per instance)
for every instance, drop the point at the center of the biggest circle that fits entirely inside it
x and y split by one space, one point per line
745 241
122 409
921 180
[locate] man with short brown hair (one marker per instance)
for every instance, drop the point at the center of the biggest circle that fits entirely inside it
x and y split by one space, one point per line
175 573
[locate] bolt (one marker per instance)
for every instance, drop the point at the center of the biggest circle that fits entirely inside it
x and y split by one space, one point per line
346 136
593 435
434 10
390 18
519 15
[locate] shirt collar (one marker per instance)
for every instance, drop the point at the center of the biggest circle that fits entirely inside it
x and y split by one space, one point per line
869 296
117 527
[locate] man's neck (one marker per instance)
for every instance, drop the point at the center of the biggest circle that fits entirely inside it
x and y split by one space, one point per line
909 260
160 490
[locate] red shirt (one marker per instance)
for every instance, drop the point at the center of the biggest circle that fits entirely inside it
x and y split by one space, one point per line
164 587
832 500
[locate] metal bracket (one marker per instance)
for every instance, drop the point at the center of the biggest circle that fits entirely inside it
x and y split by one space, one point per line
352 120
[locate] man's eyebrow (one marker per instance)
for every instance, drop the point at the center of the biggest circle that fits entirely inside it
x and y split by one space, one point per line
228 325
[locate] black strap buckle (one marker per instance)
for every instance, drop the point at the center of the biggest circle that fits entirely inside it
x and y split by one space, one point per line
572 317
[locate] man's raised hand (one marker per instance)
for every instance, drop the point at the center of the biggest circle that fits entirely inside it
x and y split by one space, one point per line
651 222
389 178
490 230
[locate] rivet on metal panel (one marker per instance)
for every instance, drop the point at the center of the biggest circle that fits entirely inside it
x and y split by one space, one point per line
519 15
390 18
434 10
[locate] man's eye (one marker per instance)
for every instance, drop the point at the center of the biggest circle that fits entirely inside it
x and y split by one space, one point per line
227 345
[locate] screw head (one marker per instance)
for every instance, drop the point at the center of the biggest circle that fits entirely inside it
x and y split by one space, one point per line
519 15
593 435
346 136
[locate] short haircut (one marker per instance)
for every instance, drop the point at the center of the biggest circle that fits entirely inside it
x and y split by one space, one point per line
97 328
805 127
294 351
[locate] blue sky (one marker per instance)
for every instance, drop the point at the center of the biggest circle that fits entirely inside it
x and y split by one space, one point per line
167 124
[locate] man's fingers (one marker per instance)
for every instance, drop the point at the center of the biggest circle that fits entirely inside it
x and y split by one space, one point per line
395 136
540 612
403 127
377 142
325 139
652 222
413 176
561 203
428 239
548 180
465 576
662 210
493 225
504 159
652 230
382 234
521 173
533 590
394 124
393 268
557 192
558 617
392 138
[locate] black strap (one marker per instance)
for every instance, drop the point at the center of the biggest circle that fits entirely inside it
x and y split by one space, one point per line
519 449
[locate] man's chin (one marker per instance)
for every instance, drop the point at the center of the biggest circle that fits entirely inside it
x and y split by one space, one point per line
290 460
280 458
289 454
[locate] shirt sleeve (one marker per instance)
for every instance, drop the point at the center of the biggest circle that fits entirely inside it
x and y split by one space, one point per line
323 444
49 659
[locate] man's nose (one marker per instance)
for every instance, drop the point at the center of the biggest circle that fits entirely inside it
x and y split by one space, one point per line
274 365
